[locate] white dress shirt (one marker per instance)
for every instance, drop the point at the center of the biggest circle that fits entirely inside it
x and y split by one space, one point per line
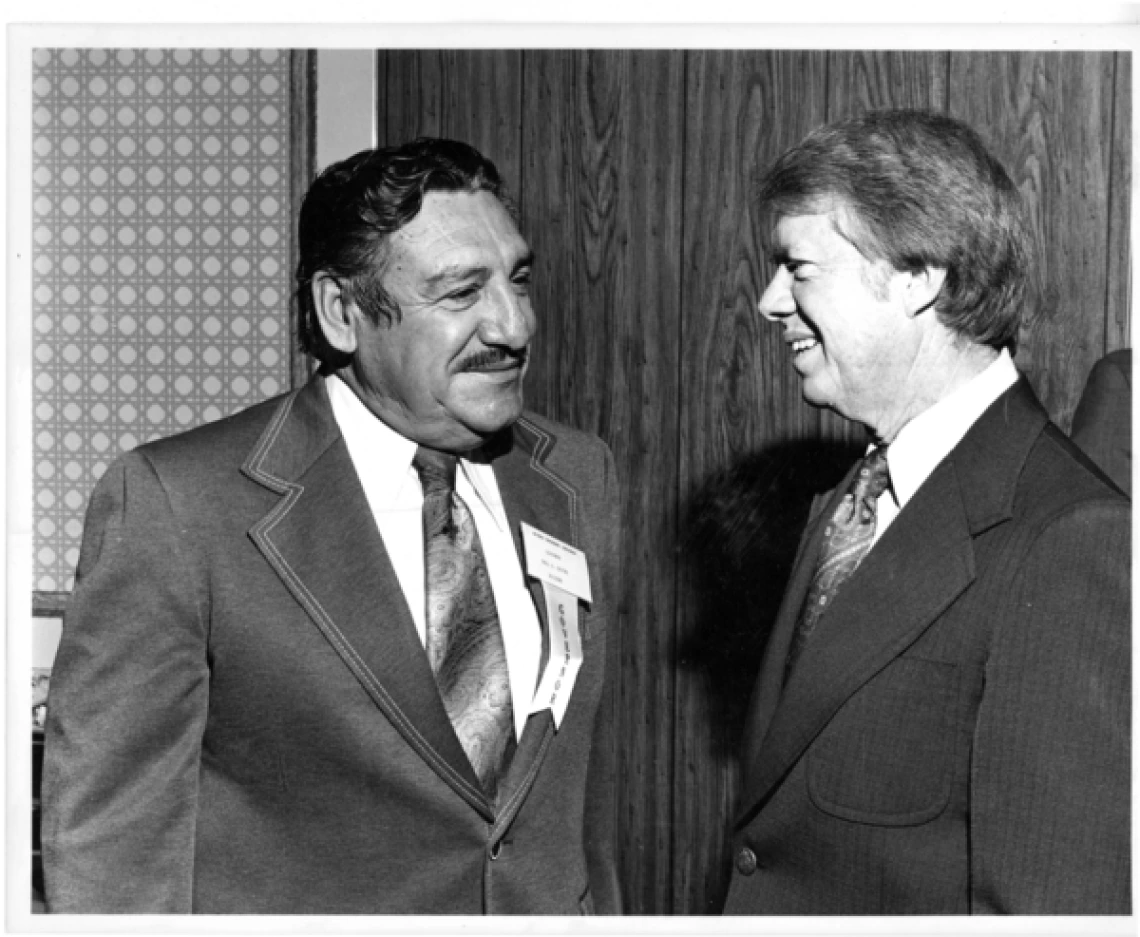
928 438
383 461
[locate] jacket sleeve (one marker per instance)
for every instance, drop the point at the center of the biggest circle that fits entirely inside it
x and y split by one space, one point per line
1050 791
126 709
601 792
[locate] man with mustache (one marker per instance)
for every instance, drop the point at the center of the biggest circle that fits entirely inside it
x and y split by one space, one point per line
348 651
941 720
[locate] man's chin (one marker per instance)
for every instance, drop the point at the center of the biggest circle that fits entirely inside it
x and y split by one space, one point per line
813 395
493 416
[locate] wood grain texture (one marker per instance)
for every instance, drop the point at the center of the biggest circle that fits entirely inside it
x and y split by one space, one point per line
1048 117
741 388
482 105
1117 333
743 431
473 95
601 202
409 95
863 81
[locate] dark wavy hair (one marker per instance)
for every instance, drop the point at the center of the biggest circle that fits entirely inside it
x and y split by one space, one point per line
918 189
353 206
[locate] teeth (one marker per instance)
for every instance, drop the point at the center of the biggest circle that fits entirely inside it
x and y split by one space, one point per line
803 344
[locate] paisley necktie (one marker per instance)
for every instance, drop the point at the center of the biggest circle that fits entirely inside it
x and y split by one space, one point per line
464 642
846 540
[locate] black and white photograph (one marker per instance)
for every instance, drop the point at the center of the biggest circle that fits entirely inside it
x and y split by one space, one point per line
631 472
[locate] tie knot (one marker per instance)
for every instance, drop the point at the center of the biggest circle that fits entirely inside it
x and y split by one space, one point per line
436 469
874 475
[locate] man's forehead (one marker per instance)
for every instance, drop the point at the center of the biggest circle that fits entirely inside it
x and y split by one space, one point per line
791 228
451 222
831 222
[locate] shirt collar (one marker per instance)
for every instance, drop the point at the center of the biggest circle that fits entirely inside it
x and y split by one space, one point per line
387 455
482 479
927 439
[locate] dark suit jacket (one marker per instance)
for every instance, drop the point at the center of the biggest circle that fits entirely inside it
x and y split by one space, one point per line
1102 425
243 719
955 736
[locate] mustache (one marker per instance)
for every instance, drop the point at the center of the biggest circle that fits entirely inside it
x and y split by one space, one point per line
494 356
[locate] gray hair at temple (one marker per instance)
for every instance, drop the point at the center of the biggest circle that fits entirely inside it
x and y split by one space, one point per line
917 189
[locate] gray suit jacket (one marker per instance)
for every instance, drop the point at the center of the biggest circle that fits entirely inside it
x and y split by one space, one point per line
242 717
954 737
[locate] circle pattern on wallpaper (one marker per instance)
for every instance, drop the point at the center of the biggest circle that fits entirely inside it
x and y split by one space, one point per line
161 216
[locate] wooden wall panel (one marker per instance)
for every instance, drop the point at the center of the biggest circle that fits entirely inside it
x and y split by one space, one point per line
633 171
741 413
862 81
601 203
740 385
550 166
473 95
409 94
482 105
1117 319
1048 115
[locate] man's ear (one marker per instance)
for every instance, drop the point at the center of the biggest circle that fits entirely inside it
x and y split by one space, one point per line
922 289
337 314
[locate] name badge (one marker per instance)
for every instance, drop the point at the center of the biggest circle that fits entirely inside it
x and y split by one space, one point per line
555 563
565 578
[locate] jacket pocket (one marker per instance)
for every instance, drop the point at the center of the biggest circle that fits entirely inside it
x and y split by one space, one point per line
887 757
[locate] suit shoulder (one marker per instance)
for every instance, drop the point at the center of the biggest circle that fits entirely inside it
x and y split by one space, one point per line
1059 477
220 445
580 458
1114 363
561 436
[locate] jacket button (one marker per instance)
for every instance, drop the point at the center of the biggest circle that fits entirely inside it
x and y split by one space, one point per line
745 861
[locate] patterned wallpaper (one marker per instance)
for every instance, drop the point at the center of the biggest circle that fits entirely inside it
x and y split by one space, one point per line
161 223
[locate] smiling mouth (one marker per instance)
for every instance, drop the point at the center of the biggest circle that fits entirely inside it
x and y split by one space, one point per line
494 362
801 345
503 367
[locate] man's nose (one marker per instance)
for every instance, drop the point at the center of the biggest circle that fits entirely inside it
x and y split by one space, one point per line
509 321
777 301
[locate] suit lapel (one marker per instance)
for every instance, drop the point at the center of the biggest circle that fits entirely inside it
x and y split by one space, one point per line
533 494
923 562
770 683
323 542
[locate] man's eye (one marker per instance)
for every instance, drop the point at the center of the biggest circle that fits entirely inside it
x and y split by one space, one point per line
522 281
467 292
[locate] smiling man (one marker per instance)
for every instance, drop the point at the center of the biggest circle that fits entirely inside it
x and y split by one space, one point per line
308 666
941 721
